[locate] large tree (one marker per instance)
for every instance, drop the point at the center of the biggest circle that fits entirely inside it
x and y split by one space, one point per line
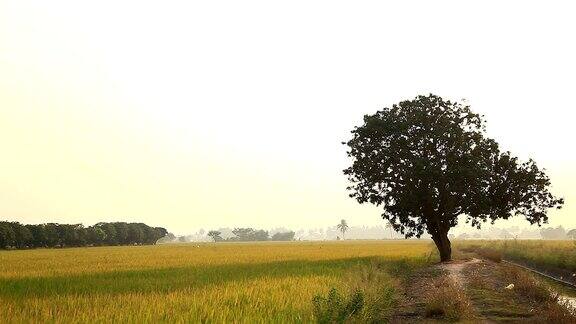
427 161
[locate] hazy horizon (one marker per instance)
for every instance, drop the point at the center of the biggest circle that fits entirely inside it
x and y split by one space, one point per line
167 115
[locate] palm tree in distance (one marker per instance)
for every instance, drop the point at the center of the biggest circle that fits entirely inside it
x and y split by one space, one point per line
342 227
389 226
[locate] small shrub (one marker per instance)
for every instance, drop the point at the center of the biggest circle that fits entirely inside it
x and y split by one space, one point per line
486 253
334 308
470 248
528 286
490 254
378 289
447 301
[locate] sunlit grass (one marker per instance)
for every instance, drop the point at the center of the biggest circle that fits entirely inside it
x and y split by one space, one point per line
259 282
282 299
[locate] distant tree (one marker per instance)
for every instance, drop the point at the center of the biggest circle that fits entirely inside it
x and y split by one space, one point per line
260 235
96 235
23 237
550 233
215 235
169 237
300 234
121 232
148 234
248 235
428 161
160 232
504 234
283 236
571 234
390 228
81 235
38 235
16 235
244 234
52 233
135 233
7 235
343 227
70 234
463 236
110 231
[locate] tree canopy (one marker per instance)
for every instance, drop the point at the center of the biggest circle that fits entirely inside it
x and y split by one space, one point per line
16 235
428 160
248 234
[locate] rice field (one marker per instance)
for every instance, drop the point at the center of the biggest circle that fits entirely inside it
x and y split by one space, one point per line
560 254
224 282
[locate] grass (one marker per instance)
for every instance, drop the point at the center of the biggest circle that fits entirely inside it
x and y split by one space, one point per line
529 299
546 254
250 283
448 301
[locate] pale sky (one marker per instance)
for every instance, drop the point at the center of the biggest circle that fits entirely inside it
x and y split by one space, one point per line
200 114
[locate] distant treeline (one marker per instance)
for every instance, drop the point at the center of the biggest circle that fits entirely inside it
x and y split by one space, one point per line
515 232
14 235
251 235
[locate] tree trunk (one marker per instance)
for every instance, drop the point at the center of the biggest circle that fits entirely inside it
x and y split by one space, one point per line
443 244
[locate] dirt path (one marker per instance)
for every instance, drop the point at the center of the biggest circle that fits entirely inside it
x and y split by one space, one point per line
478 291
454 269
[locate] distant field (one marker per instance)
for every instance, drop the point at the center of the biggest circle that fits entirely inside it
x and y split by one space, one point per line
256 282
555 254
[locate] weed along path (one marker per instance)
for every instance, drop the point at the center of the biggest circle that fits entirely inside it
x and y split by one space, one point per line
438 293
480 291
565 296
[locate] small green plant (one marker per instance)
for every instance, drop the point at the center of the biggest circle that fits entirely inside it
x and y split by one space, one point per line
335 308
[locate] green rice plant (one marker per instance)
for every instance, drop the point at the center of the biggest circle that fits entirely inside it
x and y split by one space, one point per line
335 308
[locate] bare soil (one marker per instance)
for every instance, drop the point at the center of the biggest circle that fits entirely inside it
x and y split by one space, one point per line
455 268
